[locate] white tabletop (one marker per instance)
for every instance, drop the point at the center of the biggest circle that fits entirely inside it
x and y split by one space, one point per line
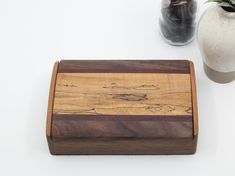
33 34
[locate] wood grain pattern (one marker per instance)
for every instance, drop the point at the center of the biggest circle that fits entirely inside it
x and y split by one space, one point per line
123 94
124 66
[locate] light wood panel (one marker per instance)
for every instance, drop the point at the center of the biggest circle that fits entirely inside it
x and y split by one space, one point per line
123 94
194 99
51 99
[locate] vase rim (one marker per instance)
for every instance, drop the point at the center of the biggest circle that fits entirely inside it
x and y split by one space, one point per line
225 12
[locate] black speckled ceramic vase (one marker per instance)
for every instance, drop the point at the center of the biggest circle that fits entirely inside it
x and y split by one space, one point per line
177 21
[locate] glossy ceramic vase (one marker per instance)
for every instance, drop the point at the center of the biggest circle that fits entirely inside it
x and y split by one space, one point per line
177 21
216 39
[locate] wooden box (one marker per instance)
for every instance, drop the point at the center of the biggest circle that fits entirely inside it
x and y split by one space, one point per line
122 107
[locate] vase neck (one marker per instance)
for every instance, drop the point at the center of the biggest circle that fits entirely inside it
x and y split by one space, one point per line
180 2
226 13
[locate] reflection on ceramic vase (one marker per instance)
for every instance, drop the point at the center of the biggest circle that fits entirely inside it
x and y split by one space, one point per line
177 21
216 39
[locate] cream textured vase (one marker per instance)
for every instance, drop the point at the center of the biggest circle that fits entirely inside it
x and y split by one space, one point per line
216 40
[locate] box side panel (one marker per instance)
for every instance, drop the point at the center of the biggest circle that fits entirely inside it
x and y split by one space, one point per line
194 104
123 146
51 100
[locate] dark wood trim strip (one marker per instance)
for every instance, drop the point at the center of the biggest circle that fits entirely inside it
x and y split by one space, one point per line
194 100
51 99
124 66
78 146
66 127
178 118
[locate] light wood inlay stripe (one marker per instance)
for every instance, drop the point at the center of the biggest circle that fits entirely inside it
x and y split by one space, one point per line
123 94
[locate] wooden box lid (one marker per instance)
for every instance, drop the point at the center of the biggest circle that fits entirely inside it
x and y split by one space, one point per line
122 107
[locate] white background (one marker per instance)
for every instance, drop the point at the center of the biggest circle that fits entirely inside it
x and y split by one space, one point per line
34 34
